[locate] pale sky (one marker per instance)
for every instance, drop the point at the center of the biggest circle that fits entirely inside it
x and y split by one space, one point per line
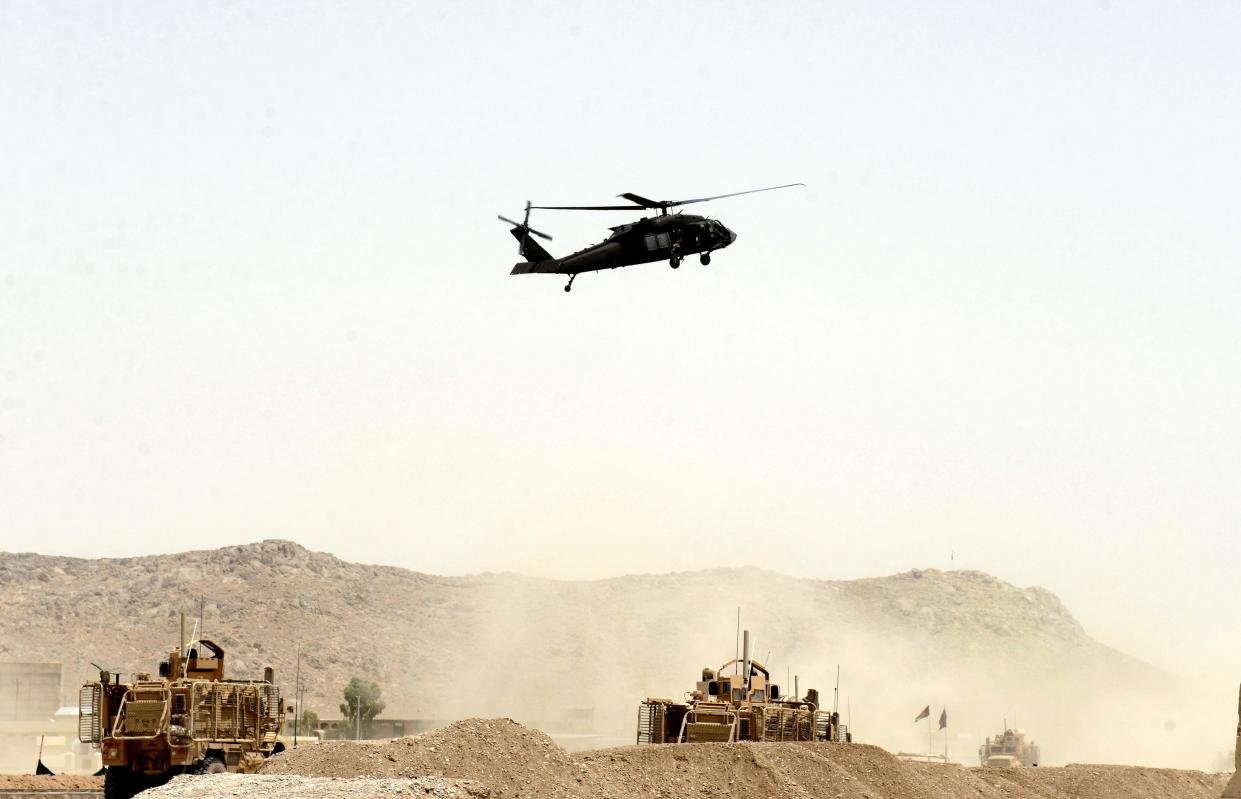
252 286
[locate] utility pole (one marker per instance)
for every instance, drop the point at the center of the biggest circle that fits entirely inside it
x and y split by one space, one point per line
301 699
357 712
297 707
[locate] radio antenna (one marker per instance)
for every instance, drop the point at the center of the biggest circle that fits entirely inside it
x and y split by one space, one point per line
737 659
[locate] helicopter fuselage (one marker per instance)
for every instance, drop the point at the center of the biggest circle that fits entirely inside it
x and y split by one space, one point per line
668 237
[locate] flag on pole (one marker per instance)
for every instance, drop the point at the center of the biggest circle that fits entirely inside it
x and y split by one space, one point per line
943 719
926 711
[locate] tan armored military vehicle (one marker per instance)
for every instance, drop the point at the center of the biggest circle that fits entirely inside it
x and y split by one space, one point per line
741 706
1233 790
1008 749
189 720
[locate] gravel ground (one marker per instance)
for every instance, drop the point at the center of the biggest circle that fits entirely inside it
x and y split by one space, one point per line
287 786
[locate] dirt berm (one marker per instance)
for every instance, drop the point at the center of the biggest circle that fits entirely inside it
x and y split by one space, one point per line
512 761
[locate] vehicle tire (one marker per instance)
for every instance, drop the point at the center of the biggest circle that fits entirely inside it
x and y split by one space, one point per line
211 765
119 782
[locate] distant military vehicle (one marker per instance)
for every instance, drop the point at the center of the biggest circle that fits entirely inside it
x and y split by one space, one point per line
1233 790
741 706
188 720
1008 749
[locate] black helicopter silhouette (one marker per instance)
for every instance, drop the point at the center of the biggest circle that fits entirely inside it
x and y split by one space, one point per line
668 237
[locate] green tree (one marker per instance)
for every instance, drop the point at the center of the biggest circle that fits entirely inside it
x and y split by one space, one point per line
310 722
361 699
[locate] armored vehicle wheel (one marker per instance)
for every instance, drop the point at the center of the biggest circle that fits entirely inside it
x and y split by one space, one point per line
119 782
705 258
211 765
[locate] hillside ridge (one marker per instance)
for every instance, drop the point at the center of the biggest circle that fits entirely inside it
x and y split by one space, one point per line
444 647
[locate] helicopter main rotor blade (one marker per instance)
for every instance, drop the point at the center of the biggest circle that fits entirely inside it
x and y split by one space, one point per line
640 200
641 203
588 207
671 203
529 229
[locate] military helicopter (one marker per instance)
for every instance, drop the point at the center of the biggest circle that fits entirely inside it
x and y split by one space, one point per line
665 236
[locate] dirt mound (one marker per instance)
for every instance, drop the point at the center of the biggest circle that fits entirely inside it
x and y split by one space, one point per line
1106 782
857 771
273 786
510 759
748 770
44 782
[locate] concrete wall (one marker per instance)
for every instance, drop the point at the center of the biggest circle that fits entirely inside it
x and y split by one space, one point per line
29 691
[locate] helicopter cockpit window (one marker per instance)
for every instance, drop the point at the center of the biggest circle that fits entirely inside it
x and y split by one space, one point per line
650 242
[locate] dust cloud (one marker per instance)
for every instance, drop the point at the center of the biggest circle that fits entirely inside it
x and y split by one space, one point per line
574 659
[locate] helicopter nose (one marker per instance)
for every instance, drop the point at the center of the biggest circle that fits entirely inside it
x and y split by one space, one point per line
731 236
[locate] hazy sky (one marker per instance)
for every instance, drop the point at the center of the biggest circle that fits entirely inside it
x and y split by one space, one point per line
252 285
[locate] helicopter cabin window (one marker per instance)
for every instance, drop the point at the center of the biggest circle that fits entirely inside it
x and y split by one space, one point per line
664 241
650 242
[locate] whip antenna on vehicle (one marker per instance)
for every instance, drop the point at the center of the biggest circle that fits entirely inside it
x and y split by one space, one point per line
737 657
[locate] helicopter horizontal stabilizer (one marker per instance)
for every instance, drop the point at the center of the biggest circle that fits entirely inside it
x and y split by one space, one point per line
551 266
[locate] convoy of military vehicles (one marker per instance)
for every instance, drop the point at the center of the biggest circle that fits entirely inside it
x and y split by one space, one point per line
188 719
192 719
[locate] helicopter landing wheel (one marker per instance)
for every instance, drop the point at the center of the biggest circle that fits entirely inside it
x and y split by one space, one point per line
675 262
705 259
569 286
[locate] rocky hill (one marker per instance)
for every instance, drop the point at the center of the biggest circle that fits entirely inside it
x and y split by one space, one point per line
578 656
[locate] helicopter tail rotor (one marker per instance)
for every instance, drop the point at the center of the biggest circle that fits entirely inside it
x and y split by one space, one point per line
526 246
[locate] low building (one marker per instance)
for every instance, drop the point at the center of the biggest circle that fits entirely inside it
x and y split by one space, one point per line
376 729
